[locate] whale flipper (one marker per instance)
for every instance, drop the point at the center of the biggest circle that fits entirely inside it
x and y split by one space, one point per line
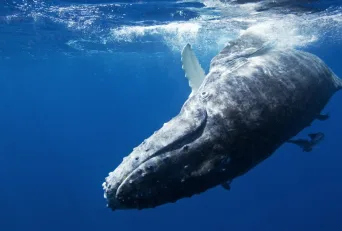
193 70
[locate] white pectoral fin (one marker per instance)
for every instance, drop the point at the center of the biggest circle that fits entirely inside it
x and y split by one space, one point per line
192 68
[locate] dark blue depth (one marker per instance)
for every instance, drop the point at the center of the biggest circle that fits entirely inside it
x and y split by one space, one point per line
68 117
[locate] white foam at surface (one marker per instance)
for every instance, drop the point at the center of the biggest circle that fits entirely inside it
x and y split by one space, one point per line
180 33
217 24
209 32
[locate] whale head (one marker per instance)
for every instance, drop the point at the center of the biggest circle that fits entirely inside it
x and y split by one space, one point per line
177 161
164 167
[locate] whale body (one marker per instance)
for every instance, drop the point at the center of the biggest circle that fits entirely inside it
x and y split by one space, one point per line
255 97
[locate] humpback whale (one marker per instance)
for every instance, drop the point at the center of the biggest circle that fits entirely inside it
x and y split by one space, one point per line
255 97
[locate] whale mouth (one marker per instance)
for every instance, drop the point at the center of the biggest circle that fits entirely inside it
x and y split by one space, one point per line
118 182
157 180
141 183
130 186
168 177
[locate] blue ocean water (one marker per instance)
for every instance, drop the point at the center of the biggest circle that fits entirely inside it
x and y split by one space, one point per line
83 82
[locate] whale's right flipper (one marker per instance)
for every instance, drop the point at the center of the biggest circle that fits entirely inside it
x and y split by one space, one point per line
193 70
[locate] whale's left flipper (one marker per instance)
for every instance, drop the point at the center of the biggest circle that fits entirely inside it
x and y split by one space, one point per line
193 70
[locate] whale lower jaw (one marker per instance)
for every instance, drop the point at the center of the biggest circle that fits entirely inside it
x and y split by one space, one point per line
116 196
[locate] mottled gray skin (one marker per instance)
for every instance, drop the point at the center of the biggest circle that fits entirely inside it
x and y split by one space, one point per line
253 99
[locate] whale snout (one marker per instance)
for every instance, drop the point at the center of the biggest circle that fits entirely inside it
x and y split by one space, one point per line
154 182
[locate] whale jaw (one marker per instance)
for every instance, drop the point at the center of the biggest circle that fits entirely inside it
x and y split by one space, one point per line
172 178
165 167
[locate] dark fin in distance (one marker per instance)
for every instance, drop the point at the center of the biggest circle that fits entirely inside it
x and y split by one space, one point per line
322 117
